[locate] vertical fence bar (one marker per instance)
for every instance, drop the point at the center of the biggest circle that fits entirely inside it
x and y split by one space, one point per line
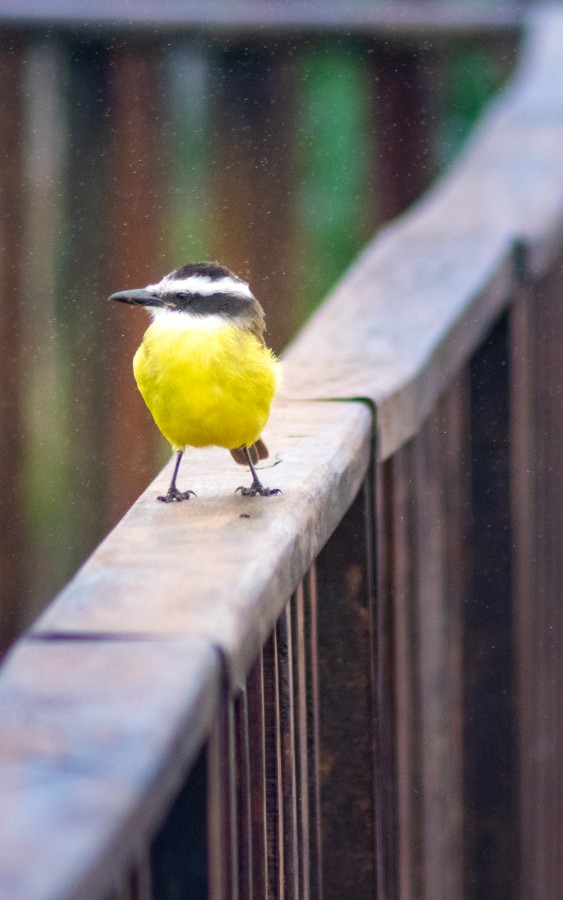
490 762
313 733
140 880
404 125
12 442
537 431
345 643
527 455
45 150
135 883
85 326
222 811
244 797
253 175
257 762
455 431
385 763
441 785
112 438
288 750
422 537
138 116
304 769
407 689
274 799
554 490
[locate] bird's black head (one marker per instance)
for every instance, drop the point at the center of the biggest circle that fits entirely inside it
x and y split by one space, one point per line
200 289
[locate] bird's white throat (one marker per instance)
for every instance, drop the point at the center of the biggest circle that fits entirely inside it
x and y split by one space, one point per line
183 320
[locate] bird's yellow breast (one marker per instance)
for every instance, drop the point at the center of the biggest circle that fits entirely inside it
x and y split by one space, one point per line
205 381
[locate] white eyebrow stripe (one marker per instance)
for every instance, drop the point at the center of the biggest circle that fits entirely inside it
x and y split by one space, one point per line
201 284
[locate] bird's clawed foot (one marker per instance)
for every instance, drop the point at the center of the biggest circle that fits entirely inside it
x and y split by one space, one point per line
257 488
174 494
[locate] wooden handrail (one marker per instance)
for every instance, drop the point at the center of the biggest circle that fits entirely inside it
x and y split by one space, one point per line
232 581
106 701
420 298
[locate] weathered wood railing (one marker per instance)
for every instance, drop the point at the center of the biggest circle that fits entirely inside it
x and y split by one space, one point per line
133 139
350 690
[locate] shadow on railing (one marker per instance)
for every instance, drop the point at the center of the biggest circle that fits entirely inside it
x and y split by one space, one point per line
353 691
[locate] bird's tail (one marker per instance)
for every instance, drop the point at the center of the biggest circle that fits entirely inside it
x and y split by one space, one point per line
258 451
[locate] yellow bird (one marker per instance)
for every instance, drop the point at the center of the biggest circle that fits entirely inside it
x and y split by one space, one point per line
203 368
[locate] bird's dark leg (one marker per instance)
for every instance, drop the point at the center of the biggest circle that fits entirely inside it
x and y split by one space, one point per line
256 487
173 493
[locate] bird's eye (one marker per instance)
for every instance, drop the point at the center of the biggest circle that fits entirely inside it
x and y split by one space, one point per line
182 295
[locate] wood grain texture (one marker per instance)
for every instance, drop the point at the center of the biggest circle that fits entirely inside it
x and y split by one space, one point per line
199 568
417 302
87 771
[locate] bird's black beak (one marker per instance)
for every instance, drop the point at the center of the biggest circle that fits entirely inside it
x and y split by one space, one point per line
137 297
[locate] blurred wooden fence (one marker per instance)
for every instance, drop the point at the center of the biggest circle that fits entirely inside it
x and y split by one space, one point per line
353 692
90 189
